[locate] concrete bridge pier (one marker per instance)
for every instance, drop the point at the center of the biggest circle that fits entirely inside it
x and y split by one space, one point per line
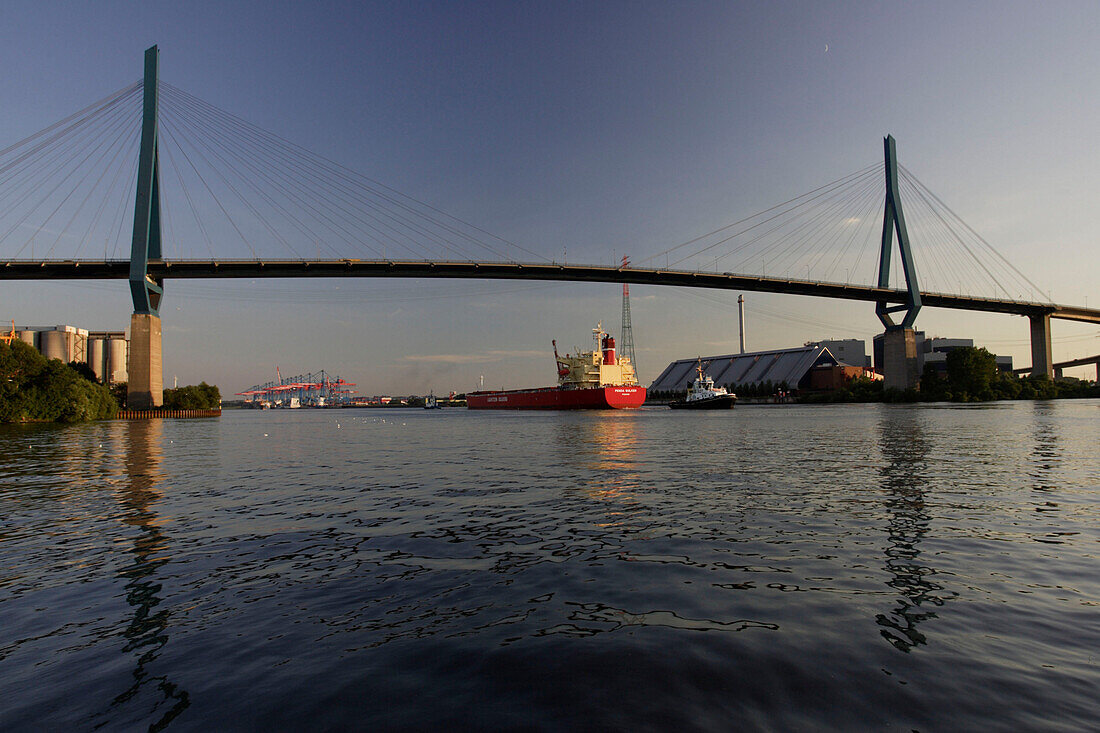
899 355
1042 361
145 389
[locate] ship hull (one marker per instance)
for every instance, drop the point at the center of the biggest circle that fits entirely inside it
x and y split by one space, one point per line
723 402
554 398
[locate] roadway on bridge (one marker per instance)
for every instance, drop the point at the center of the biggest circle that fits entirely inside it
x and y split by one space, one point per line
221 269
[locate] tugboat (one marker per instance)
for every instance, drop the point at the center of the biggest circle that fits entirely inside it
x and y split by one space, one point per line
430 402
703 395
591 380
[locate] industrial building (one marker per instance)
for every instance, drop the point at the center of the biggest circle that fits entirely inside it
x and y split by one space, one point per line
794 367
852 352
934 351
106 352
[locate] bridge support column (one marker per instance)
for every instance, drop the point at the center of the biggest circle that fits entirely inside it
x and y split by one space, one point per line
899 356
146 386
1042 362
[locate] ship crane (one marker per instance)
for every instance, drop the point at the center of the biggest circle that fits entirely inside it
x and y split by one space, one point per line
563 366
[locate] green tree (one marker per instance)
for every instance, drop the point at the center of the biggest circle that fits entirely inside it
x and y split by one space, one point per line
84 370
1007 386
933 387
971 373
35 388
200 396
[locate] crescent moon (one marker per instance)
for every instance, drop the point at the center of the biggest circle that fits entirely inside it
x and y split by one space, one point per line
826 48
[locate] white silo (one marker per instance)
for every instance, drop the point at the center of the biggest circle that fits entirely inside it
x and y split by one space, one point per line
55 345
28 337
116 361
97 358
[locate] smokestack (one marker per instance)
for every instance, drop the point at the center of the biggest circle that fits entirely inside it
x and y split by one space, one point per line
741 319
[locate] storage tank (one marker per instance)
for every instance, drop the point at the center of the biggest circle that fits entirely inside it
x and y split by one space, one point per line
116 361
97 358
28 337
56 345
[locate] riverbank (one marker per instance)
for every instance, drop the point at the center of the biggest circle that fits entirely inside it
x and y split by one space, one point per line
165 413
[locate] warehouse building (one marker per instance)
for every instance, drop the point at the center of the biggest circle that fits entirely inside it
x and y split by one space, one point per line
794 367
847 351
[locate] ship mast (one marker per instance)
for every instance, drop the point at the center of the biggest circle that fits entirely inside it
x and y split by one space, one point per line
626 348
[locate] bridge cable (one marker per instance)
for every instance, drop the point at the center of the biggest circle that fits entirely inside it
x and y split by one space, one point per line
805 200
316 162
241 198
118 145
258 173
952 266
814 215
176 170
828 213
352 213
748 218
977 236
66 160
866 214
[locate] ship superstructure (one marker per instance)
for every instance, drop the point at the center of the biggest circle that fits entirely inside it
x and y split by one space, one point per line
601 367
702 394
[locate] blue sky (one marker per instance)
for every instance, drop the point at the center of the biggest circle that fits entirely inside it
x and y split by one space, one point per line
592 130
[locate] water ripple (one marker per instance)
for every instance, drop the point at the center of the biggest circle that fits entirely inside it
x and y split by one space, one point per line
866 566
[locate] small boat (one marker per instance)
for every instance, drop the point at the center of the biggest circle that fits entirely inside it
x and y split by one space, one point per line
430 402
703 395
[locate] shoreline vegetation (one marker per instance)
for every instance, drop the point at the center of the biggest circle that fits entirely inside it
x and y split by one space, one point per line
36 389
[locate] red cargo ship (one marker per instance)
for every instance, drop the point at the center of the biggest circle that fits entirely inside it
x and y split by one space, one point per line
591 380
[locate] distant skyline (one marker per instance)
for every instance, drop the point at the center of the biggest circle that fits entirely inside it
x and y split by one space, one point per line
592 130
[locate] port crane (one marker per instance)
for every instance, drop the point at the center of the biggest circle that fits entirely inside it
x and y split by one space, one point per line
316 389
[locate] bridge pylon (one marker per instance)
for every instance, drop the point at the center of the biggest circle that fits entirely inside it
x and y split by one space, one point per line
899 342
145 388
1042 360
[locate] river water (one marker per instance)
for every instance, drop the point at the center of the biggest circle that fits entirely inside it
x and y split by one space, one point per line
930 567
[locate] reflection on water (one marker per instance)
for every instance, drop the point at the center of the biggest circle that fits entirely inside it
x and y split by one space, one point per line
1045 451
146 632
905 479
599 443
560 572
606 449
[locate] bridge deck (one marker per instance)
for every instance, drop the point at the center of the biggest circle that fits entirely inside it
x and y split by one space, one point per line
212 269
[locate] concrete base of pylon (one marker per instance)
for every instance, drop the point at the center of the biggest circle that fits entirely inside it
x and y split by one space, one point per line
1042 361
899 352
145 389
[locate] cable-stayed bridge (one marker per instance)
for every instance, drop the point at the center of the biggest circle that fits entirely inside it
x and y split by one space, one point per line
217 197
251 269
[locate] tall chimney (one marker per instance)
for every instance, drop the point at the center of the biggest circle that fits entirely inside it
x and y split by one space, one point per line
741 319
